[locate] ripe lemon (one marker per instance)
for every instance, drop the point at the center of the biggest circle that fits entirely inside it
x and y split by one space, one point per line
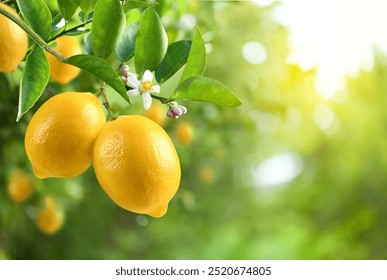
20 186
156 114
62 72
13 42
185 133
60 136
50 216
137 165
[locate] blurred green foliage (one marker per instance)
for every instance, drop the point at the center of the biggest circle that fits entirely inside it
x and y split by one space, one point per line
334 209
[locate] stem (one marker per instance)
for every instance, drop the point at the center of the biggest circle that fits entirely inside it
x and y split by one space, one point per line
105 102
161 99
69 30
34 36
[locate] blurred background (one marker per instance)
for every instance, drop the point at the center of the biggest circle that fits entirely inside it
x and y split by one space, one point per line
299 171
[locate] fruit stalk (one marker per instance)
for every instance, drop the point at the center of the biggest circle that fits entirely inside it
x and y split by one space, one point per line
34 36
105 102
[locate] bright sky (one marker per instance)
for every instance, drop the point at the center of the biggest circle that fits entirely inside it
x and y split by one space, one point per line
338 36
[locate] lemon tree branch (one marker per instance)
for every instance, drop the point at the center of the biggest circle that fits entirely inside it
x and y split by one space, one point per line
34 36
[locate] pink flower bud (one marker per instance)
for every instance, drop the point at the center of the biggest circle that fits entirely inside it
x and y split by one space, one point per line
169 114
125 70
182 108
176 111
123 78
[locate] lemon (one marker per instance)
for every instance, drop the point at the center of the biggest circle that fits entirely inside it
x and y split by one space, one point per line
62 72
156 114
50 217
137 165
184 133
60 136
13 42
20 186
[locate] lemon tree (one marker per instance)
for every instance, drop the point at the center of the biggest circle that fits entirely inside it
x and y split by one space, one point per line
126 48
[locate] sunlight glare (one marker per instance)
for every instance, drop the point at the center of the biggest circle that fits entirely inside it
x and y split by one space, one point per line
277 170
338 37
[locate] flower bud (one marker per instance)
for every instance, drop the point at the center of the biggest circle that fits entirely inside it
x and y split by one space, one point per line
123 78
176 111
125 70
169 114
182 108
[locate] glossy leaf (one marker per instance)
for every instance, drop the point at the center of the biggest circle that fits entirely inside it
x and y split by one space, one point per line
78 31
67 8
37 15
134 4
175 58
87 6
58 24
108 24
35 78
126 45
101 69
85 17
207 90
197 59
151 42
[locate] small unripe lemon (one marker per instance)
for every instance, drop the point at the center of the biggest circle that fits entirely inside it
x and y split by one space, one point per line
50 217
60 136
62 72
185 133
20 186
13 42
137 165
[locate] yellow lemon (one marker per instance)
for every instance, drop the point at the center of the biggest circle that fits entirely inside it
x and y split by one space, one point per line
185 133
20 186
62 72
13 42
156 114
137 165
60 136
50 217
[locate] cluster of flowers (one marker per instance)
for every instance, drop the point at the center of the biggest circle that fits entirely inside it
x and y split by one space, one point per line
145 88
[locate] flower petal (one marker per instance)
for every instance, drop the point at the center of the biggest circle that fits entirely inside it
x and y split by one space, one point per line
133 92
146 100
133 82
156 89
148 77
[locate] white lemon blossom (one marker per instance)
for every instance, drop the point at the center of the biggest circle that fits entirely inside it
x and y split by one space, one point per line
144 87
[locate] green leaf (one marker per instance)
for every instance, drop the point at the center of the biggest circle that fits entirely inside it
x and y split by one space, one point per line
175 58
151 42
37 15
134 4
58 24
87 6
34 79
67 8
108 24
126 45
101 69
207 90
197 59
85 17
77 31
